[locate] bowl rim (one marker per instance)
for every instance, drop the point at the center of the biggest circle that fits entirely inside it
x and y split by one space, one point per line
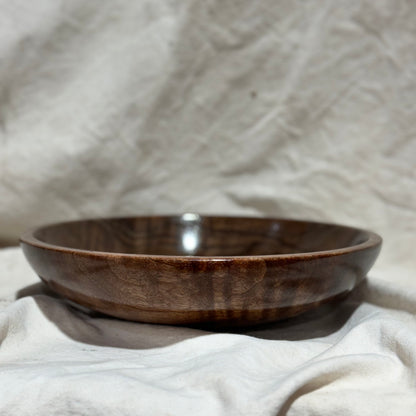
373 240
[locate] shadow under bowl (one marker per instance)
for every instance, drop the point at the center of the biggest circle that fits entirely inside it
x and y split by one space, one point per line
195 269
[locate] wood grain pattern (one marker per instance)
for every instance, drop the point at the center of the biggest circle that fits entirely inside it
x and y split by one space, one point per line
192 269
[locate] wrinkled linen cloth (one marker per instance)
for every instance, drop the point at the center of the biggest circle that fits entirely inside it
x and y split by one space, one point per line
270 107
358 359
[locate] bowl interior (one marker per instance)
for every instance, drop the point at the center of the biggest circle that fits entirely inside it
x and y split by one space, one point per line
195 235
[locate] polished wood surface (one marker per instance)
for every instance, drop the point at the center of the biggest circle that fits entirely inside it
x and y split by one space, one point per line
192 269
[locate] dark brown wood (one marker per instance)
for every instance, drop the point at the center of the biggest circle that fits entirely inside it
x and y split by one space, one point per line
192 269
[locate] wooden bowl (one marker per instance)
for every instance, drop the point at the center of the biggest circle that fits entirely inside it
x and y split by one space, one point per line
192 269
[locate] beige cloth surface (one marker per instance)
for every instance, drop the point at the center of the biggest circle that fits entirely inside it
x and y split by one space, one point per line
292 109
357 359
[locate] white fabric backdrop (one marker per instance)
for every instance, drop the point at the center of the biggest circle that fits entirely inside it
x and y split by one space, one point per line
279 108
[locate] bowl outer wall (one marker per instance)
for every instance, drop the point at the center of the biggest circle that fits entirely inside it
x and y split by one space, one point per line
239 290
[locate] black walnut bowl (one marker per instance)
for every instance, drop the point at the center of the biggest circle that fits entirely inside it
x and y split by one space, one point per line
195 269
